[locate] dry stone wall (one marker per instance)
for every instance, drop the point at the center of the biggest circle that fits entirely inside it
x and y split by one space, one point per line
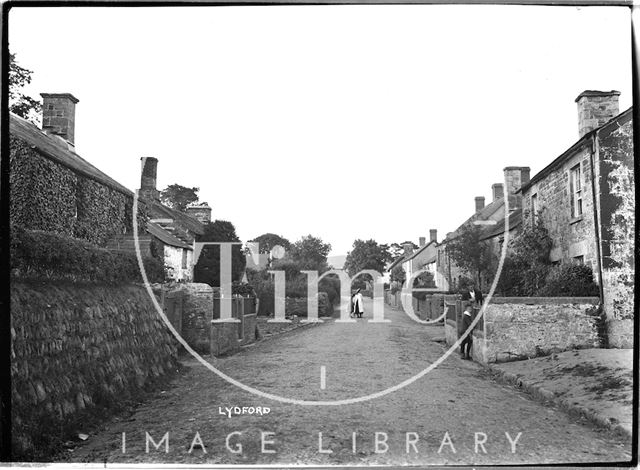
76 348
521 328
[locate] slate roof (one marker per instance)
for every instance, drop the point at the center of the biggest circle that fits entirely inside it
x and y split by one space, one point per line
420 250
160 211
165 237
56 149
515 219
604 130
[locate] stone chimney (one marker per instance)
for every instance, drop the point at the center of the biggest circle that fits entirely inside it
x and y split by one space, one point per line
423 241
515 177
148 179
59 115
595 108
479 203
433 235
498 191
201 211
408 249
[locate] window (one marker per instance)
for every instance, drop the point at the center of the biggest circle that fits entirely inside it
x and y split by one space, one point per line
534 208
576 191
184 259
578 259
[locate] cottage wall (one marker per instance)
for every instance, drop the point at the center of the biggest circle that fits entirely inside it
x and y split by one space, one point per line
617 214
173 261
574 238
47 195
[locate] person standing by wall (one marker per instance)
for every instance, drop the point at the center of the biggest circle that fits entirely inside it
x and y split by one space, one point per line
467 342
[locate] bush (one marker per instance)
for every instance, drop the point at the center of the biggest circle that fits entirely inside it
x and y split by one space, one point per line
46 255
573 280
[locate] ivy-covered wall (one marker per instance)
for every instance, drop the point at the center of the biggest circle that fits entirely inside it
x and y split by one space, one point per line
46 195
43 193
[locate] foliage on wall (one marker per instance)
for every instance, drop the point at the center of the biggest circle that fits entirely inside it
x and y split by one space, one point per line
42 192
49 256
48 196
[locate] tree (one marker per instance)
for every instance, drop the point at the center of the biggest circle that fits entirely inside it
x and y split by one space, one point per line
367 255
425 279
310 253
397 249
268 240
179 197
398 274
19 103
471 253
207 269
527 264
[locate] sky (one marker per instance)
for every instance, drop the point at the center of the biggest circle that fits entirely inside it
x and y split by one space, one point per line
344 122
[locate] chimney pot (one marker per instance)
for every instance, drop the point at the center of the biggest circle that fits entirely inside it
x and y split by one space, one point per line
479 203
515 177
498 191
148 178
595 108
59 115
433 235
408 249
202 212
423 241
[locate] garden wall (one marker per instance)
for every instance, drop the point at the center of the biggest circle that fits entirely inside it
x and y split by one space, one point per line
515 328
620 333
78 347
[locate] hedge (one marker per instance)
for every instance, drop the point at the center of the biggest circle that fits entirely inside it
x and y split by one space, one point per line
50 256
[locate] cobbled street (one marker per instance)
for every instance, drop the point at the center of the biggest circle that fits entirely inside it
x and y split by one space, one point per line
434 420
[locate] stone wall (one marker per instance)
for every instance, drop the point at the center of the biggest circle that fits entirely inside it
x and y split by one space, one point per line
617 212
197 313
76 348
523 327
620 333
227 338
298 306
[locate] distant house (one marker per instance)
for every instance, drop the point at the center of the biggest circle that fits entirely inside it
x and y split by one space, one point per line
424 257
586 199
491 219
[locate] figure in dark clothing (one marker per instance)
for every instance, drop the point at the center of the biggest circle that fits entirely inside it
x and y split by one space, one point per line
467 342
473 294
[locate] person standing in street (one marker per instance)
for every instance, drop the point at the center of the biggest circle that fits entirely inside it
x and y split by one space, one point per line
358 304
467 342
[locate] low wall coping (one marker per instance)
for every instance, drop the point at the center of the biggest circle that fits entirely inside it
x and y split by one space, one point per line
545 300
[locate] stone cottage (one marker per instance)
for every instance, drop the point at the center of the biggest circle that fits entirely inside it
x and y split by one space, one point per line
585 198
423 257
182 228
54 189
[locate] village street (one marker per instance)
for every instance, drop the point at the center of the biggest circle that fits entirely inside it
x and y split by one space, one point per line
456 400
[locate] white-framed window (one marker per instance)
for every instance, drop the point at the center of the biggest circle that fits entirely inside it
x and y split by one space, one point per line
576 191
